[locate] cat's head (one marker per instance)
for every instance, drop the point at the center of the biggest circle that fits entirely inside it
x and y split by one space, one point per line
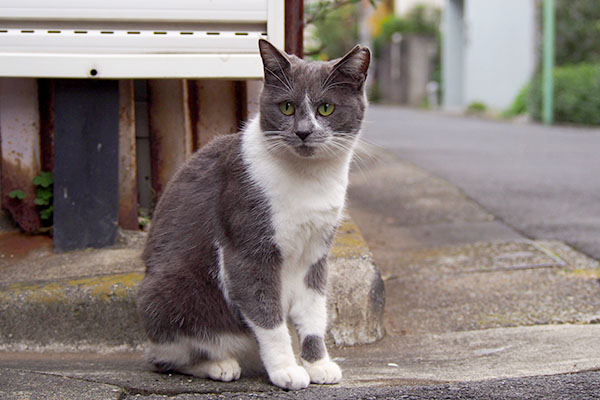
312 108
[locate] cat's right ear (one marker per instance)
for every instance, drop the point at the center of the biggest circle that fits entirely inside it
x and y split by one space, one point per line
276 64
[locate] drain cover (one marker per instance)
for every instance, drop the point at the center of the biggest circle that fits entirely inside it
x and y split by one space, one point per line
488 257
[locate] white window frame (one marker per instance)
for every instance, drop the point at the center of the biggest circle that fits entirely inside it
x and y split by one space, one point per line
150 39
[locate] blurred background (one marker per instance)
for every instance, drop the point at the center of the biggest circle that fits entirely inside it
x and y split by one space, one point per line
481 57
513 60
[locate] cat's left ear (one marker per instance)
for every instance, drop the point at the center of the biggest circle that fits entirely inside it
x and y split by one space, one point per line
276 64
353 66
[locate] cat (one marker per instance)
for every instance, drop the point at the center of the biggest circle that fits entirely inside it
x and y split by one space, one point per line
240 236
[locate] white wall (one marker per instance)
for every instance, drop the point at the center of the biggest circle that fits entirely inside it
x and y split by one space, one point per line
499 50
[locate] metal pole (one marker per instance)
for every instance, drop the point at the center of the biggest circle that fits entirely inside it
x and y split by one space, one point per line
548 64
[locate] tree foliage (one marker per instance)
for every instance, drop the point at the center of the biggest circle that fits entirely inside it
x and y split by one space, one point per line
335 27
577 31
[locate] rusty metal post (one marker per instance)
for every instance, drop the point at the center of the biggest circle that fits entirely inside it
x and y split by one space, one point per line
216 108
294 27
127 157
19 131
46 100
170 130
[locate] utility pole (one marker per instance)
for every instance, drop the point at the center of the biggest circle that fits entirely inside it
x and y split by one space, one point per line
548 64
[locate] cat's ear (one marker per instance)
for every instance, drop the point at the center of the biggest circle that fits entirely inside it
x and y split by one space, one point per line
276 64
353 67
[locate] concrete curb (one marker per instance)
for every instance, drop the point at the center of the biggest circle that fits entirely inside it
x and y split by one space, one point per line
97 313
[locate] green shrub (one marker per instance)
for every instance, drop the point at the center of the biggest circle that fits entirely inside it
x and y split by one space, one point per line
576 94
519 105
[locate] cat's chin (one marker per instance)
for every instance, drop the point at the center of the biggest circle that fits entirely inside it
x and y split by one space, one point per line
305 151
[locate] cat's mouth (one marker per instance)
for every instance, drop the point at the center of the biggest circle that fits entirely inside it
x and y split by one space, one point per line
304 150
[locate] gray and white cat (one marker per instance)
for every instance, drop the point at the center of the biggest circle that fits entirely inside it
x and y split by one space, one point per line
241 234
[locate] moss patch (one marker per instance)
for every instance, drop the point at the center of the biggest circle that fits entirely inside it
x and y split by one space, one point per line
349 242
100 286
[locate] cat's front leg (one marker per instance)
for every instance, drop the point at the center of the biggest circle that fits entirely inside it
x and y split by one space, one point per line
275 346
255 288
315 359
309 313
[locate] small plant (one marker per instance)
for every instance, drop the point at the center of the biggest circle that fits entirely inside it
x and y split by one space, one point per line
44 183
476 107
17 194
144 218
43 199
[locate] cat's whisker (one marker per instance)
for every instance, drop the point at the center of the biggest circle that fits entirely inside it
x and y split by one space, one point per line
277 87
337 84
286 85
290 85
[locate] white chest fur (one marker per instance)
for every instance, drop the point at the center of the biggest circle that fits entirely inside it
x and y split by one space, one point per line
306 197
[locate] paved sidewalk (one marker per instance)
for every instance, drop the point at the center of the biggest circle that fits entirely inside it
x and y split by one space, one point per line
473 310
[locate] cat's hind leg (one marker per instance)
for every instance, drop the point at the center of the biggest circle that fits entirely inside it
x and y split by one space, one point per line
223 370
216 360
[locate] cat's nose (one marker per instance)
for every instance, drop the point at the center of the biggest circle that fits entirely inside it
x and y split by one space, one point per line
302 134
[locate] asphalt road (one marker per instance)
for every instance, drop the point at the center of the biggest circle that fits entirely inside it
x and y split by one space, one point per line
543 182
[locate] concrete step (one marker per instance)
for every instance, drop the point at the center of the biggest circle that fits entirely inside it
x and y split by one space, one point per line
85 300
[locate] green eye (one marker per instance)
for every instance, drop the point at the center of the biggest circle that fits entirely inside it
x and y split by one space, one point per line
286 108
326 109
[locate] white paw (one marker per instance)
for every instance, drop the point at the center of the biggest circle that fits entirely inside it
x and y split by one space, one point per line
293 378
226 370
323 372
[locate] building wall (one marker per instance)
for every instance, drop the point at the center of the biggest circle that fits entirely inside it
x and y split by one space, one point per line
499 50
453 55
488 51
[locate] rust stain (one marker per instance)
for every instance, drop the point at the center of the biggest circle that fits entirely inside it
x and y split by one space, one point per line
24 212
46 99
14 245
